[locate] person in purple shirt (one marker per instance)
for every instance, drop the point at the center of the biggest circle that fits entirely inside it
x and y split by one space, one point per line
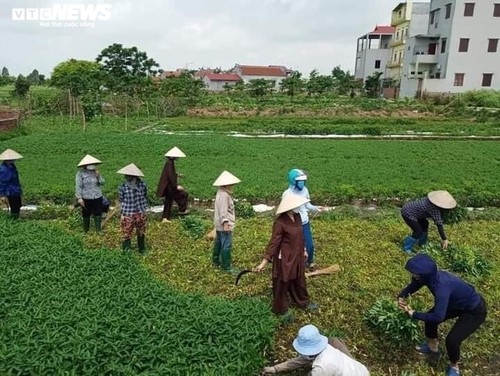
453 298
416 213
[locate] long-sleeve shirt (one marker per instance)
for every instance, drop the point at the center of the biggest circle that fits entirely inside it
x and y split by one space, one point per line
224 210
9 180
303 209
88 185
332 362
133 198
450 292
423 209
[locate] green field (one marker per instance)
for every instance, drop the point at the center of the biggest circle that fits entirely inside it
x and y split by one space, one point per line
340 171
56 263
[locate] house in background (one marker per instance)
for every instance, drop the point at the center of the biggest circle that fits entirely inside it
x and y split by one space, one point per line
408 19
373 52
274 73
459 52
217 81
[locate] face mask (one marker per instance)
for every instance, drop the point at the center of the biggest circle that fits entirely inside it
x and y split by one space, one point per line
297 210
300 184
90 167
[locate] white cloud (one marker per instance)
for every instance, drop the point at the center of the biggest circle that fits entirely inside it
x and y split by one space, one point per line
303 34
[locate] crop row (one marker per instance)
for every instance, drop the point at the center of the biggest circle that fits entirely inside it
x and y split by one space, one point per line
339 171
69 311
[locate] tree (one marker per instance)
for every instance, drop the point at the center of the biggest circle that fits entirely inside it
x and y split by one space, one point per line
34 77
343 81
372 84
83 80
21 86
126 68
319 84
5 78
292 84
259 87
5 72
186 86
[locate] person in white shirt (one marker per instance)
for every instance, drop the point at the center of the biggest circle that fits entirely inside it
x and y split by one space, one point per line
319 357
297 186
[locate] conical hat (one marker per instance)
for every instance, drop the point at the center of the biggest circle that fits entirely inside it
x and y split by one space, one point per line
131 170
442 199
175 152
226 178
290 202
88 159
10 155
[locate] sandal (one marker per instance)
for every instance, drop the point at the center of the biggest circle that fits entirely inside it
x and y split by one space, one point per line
424 348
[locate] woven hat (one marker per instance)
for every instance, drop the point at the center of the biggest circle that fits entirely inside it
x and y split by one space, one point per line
226 178
442 199
290 202
175 152
309 341
10 155
88 160
130 170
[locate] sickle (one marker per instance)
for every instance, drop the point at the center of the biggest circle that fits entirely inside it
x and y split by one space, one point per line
241 274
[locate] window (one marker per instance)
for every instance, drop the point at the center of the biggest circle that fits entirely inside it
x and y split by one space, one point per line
469 10
448 11
443 45
464 45
487 78
433 14
459 79
496 10
492 45
377 64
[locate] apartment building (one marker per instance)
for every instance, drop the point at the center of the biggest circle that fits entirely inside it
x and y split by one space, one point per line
373 52
408 19
459 52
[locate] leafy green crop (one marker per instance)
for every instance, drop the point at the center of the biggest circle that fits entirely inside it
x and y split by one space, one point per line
195 225
65 310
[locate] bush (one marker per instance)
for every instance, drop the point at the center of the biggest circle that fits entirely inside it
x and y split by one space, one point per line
69 311
243 210
454 216
195 225
387 319
468 262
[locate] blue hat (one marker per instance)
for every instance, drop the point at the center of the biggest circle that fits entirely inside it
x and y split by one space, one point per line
295 175
309 341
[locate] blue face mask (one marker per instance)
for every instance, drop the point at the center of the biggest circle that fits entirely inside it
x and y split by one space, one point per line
300 184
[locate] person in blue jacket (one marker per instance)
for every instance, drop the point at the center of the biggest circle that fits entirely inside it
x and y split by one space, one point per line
10 185
453 298
297 186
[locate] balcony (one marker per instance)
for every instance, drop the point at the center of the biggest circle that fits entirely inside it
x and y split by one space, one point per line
396 20
394 64
396 43
424 59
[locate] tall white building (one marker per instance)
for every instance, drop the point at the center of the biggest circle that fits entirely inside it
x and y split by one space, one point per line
459 52
373 52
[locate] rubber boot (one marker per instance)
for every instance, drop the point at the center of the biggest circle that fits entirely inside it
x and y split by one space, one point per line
423 239
98 223
86 224
216 256
226 262
14 216
141 244
126 245
408 244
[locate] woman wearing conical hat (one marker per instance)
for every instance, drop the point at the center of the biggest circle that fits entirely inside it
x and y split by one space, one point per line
169 189
10 185
88 184
224 221
286 250
133 197
416 213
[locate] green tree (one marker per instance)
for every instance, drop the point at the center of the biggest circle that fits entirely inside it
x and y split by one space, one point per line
343 81
5 72
259 87
372 84
293 84
186 86
21 86
34 77
127 69
83 79
5 78
319 84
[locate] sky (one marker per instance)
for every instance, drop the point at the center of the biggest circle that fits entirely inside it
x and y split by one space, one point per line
299 34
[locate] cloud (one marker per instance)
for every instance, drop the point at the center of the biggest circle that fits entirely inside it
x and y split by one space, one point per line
303 34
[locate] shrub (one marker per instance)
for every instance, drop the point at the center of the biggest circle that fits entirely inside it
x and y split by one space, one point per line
195 225
244 210
387 319
454 216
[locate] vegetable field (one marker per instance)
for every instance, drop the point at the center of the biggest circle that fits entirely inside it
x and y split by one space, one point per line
340 170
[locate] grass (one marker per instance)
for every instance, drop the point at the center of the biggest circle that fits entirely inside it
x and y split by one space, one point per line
368 251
